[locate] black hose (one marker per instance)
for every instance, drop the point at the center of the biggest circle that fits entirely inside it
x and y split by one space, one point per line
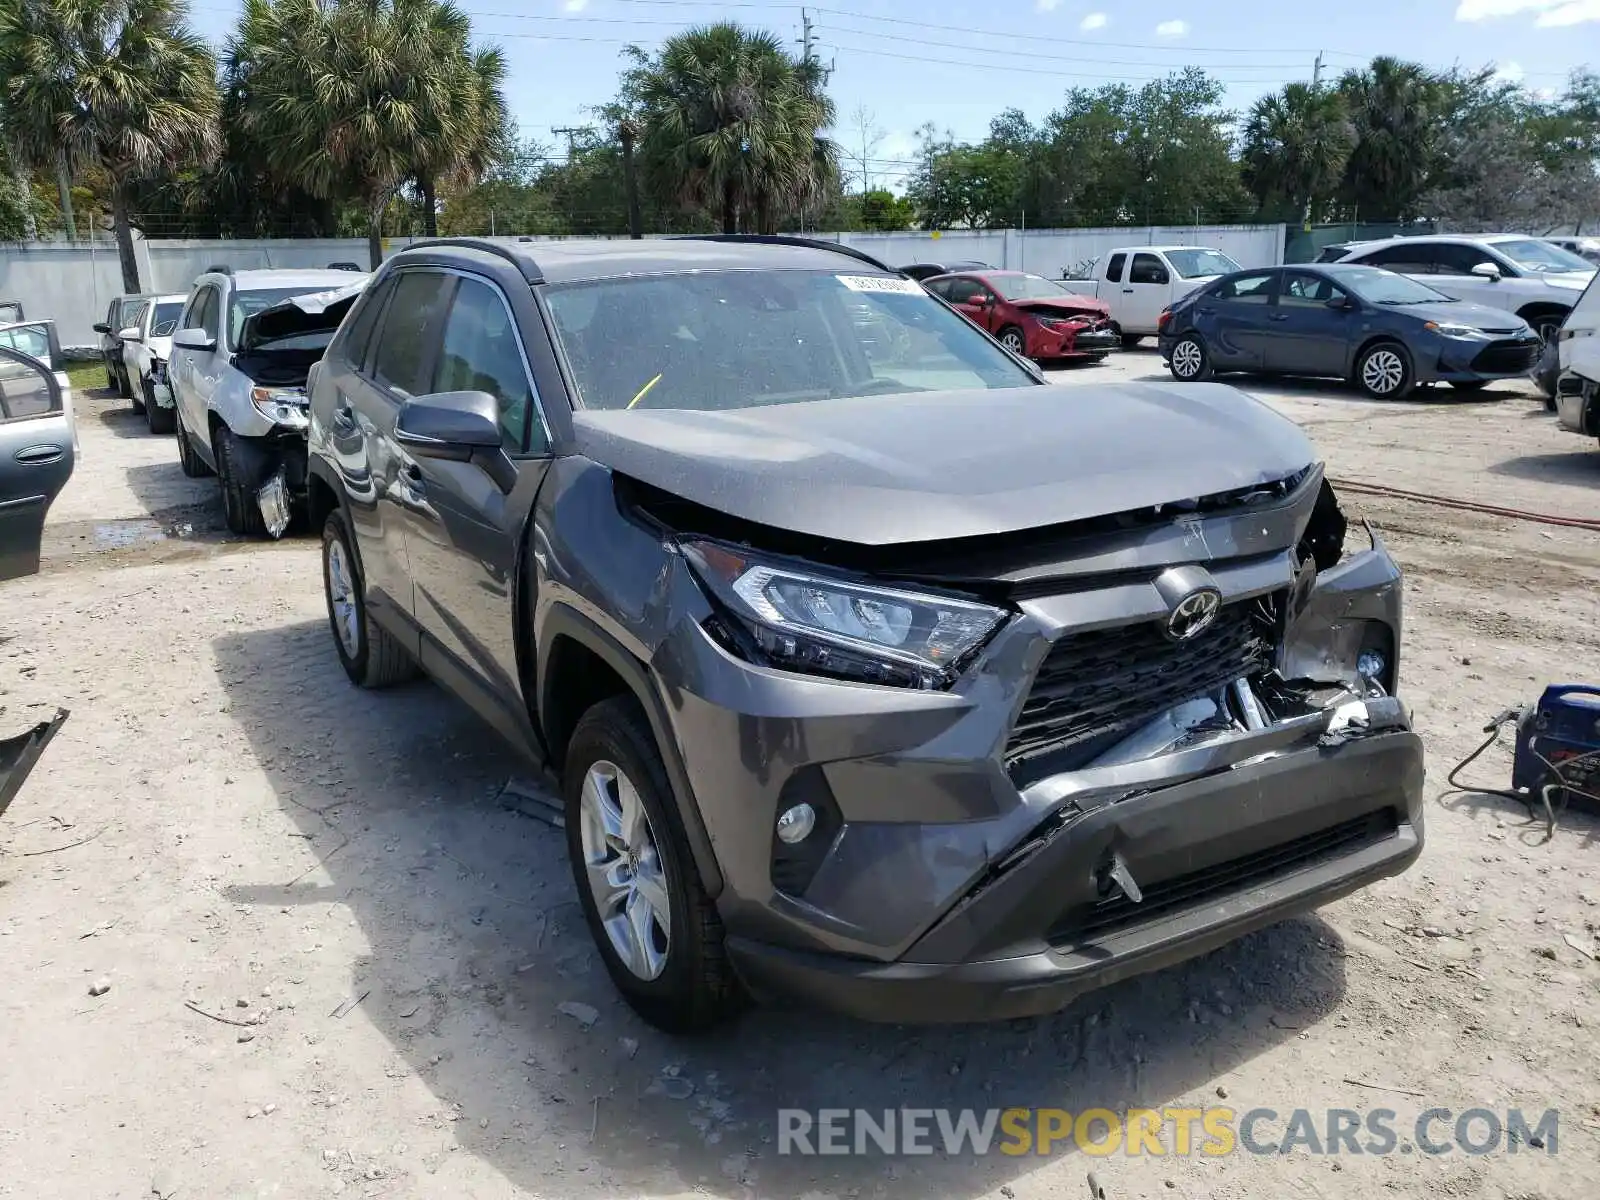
1526 799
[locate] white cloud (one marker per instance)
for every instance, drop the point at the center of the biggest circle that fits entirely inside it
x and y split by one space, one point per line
1173 29
1511 72
1046 5
1094 21
1552 14
576 5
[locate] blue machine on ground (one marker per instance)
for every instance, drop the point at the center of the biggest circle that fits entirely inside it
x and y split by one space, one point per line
1557 758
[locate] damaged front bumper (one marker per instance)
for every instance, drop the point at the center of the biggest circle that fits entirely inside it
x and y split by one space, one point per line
952 882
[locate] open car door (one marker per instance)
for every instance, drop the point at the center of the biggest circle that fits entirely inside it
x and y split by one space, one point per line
36 455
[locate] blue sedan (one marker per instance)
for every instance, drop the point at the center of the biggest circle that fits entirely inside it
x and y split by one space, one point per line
1387 333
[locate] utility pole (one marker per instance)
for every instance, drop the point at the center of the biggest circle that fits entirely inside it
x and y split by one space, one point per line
805 35
569 132
1316 84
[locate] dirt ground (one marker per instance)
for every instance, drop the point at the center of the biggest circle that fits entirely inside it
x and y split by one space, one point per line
335 959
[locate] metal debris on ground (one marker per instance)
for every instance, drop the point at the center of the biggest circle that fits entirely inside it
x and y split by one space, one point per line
345 1007
584 1014
273 499
100 987
531 799
1587 949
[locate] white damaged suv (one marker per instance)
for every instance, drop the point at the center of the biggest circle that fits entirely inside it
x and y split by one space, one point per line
241 354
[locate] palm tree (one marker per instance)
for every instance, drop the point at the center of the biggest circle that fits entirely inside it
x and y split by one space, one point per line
728 122
479 116
1296 144
122 85
1397 109
347 97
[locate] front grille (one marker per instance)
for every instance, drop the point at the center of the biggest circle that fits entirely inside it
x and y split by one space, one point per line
1094 688
1509 356
1208 884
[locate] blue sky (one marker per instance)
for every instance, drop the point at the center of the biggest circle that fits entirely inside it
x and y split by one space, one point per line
958 62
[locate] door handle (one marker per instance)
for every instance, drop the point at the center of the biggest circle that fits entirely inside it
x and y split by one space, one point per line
1128 291
411 480
39 456
344 417
1277 317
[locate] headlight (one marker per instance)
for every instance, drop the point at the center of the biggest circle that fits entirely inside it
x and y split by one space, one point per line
802 621
282 406
1457 331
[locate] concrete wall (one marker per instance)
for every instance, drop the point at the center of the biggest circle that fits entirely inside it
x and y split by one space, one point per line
73 284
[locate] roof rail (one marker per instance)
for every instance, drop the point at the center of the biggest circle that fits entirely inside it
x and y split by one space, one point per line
530 269
218 269
779 239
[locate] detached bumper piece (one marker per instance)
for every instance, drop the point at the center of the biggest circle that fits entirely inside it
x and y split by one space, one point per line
18 754
1213 858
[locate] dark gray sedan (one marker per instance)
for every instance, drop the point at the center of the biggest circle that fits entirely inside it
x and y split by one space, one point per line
1387 333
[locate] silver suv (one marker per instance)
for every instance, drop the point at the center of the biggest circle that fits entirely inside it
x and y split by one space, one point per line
240 356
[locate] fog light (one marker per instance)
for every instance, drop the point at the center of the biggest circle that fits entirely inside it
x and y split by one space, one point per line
796 824
1371 665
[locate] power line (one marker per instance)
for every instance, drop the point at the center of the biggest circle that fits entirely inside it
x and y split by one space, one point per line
1011 69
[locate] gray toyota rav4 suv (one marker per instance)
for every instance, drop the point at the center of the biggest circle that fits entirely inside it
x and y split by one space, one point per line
876 671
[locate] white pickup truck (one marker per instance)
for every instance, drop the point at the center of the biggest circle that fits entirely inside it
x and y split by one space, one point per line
1139 281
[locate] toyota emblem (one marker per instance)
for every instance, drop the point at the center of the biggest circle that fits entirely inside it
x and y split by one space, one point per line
1194 614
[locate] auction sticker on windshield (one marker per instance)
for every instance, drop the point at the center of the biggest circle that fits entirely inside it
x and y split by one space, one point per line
880 283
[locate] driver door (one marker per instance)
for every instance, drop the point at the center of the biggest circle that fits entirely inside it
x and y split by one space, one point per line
36 457
965 294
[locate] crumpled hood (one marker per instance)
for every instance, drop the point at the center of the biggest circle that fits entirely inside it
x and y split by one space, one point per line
928 466
1066 306
312 313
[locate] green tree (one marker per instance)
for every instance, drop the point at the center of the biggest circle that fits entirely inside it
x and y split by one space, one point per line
1295 146
477 115
728 123
119 85
957 186
1398 110
885 212
348 97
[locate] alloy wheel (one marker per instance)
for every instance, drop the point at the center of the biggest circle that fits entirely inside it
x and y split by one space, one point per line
1187 359
624 870
1012 341
342 598
1383 372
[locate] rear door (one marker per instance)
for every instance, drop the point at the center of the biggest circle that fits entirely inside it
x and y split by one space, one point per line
36 456
1308 337
461 532
1235 320
378 475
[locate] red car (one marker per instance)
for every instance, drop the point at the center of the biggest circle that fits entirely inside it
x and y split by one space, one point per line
1029 314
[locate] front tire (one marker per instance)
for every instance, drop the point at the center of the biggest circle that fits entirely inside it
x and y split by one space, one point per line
194 467
1130 340
239 483
160 420
1189 361
1385 373
1014 340
657 930
370 655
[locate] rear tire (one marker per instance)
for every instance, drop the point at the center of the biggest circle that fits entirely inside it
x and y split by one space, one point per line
681 981
1189 362
239 483
1130 340
1384 371
370 655
160 420
188 458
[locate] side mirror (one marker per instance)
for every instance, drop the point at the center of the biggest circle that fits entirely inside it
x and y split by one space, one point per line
1487 271
131 334
450 425
193 339
981 299
1161 277
101 327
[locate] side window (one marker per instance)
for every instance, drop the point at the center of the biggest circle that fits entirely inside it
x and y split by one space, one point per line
1404 258
400 361
1114 268
358 339
940 288
1304 290
202 312
191 311
961 291
24 387
482 353
1246 289
1456 259
1147 268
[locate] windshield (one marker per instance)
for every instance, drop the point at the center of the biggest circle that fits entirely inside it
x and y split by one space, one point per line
1028 287
1195 264
247 304
166 318
1377 286
1535 255
718 340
